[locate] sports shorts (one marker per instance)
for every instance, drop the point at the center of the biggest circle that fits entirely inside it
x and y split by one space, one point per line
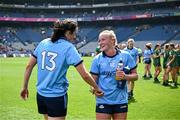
52 106
111 109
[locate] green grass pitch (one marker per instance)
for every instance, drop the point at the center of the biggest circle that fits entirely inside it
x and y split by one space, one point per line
152 101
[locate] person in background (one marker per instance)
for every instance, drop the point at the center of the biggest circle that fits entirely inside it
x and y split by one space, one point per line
139 54
165 60
150 44
177 47
122 46
157 62
53 57
133 51
98 50
111 78
172 64
147 61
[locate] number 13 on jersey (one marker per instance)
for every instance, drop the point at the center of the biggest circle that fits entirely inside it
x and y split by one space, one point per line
51 57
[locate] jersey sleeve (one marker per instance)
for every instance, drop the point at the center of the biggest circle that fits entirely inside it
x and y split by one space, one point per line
155 52
73 57
35 53
151 51
94 67
137 53
130 62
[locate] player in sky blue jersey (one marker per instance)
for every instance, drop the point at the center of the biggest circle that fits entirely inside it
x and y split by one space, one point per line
53 57
134 53
148 52
104 70
132 50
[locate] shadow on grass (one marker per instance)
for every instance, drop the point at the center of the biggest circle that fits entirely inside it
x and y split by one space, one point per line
173 87
132 100
146 78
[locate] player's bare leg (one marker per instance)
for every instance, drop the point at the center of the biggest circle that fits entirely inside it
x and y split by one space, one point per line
120 116
102 116
45 117
56 118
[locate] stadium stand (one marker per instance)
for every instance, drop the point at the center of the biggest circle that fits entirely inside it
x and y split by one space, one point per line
23 24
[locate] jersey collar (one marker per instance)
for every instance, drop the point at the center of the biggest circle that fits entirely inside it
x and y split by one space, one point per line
130 48
117 52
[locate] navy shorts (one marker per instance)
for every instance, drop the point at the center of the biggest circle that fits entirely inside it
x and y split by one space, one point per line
52 106
111 109
147 61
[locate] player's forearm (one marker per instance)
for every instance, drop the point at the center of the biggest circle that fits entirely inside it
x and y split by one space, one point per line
86 75
27 75
131 77
88 79
137 60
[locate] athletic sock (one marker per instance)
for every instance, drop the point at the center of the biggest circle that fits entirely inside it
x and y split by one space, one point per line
132 93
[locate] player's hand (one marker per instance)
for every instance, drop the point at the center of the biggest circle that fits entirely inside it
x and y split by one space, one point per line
91 90
24 94
98 92
120 75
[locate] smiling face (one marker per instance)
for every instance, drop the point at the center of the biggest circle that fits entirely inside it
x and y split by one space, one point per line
106 42
130 44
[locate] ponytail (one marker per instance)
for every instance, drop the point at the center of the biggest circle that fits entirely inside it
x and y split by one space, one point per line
61 27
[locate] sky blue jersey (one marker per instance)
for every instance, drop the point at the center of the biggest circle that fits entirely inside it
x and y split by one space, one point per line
53 60
105 68
133 52
147 53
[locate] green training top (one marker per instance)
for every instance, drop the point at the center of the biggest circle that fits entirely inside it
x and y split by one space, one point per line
157 60
165 58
